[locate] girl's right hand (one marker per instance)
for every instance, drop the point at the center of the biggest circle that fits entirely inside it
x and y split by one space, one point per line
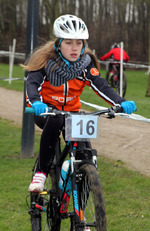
39 107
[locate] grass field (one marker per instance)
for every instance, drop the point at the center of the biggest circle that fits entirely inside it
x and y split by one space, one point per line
126 192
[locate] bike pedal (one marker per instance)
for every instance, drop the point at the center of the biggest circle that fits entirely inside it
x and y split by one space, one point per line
43 193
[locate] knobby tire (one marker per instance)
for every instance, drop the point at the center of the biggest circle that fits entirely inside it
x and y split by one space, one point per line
91 198
116 86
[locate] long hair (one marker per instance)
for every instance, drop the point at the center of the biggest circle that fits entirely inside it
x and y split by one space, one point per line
93 56
41 56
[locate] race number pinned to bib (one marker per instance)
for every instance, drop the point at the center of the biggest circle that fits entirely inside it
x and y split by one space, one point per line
82 127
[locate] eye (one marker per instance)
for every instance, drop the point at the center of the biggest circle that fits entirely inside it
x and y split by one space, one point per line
67 41
79 42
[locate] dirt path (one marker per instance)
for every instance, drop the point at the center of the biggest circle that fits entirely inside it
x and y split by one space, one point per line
122 139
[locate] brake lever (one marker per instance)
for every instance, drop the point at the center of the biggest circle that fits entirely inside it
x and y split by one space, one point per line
113 110
111 114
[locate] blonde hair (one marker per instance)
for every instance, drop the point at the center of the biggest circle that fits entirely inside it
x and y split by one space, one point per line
41 56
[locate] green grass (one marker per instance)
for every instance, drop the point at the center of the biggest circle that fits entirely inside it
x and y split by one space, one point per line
15 176
126 192
136 88
17 73
127 197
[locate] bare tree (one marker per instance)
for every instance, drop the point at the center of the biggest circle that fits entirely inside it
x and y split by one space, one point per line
148 84
108 21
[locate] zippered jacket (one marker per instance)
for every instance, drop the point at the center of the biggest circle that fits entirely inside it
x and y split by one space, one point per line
67 96
115 53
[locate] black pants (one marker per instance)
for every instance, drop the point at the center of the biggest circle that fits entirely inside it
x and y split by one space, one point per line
51 130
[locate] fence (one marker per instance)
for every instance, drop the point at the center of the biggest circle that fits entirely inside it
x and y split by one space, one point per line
12 55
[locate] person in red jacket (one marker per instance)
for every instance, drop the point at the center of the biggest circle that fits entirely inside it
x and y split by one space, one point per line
58 73
115 54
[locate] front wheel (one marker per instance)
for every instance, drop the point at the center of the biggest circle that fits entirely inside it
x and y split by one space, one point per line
91 200
124 85
116 83
109 79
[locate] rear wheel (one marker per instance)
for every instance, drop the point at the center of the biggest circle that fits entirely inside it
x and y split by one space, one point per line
42 220
91 200
34 212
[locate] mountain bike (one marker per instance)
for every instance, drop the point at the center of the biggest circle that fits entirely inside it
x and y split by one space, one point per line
81 200
114 79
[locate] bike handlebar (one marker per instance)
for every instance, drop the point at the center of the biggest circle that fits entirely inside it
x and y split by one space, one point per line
53 112
29 110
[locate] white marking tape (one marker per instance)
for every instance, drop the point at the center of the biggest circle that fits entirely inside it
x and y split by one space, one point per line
132 65
132 116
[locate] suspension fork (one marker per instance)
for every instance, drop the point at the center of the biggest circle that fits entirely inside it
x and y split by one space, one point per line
74 184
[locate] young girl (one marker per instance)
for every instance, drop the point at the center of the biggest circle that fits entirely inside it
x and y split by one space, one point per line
58 72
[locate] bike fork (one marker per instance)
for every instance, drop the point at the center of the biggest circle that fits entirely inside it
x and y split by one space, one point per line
77 218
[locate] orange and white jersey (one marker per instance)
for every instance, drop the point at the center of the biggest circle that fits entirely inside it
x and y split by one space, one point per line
67 96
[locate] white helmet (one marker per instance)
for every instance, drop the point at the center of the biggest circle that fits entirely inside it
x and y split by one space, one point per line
70 27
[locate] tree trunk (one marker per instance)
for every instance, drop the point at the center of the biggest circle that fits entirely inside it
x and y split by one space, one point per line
148 87
148 84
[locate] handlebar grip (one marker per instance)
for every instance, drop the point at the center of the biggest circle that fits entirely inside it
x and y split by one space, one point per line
117 109
29 110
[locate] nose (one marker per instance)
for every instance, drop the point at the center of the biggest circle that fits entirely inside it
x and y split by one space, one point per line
74 46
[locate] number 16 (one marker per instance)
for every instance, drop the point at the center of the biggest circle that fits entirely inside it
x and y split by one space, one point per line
90 129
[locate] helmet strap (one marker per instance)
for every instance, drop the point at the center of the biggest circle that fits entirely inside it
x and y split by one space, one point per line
83 48
65 60
57 48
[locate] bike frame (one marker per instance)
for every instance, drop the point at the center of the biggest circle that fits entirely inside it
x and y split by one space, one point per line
71 149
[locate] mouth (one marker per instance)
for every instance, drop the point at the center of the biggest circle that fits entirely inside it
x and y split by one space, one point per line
73 55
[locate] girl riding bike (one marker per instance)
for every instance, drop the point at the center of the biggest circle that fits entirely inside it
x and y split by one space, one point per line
58 72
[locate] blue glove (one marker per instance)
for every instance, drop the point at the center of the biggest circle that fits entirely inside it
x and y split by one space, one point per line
128 107
39 107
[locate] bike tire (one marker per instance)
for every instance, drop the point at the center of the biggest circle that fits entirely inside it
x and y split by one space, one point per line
39 219
54 224
107 76
35 220
109 79
35 225
124 85
91 199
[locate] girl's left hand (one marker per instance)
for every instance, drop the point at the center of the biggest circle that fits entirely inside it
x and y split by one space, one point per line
128 107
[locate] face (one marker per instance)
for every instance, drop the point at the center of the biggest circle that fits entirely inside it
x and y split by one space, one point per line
71 49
